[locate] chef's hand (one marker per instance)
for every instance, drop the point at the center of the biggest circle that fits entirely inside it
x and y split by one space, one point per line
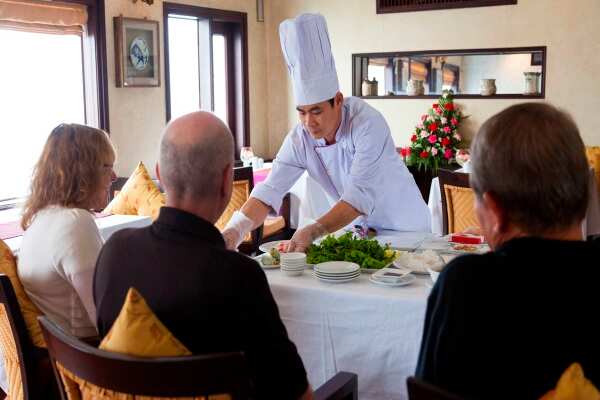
236 229
305 236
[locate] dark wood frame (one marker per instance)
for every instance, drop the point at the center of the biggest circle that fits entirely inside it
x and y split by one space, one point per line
421 390
121 64
448 177
536 59
167 376
358 62
382 8
236 25
34 362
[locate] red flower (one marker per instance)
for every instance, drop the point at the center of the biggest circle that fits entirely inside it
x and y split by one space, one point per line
424 154
435 105
405 151
445 141
413 138
432 127
449 106
432 139
448 153
454 121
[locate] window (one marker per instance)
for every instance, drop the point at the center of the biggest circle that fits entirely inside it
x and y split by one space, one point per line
49 74
206 65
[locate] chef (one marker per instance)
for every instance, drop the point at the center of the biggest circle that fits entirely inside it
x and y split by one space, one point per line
343 143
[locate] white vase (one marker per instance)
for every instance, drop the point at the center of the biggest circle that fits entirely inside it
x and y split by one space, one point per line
488 87
532 82
415 87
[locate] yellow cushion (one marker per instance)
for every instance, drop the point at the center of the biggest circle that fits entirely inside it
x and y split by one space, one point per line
138 332
139 196
460 208
573 385
8 266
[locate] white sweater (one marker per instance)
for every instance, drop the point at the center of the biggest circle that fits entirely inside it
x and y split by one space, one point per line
56 265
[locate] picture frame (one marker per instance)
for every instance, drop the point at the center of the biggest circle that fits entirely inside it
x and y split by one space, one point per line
137 52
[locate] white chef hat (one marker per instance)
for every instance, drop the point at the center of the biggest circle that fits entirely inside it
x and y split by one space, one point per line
307 51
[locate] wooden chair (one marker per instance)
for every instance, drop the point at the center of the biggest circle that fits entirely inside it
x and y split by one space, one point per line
274 228
198 375
593 155
457 201
34 363
420 390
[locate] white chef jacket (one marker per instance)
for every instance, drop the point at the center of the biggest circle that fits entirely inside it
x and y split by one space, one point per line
361 168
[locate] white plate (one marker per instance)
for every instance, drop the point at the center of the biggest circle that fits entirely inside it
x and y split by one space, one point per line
405 280
258 259
337 267
265 247
341 276
418 262
337 280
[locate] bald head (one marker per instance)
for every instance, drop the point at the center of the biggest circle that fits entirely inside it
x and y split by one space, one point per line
195 150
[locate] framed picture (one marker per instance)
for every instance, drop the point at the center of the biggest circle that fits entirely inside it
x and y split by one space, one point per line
137 52
536 58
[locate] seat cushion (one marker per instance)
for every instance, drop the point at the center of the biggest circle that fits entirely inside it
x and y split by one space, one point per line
138 332
239 194
138 196
273 225
573 385
8 267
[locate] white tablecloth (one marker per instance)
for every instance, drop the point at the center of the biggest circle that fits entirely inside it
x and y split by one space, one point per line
106 225
590 225
358 327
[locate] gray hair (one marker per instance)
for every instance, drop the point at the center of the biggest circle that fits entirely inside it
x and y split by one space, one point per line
532 159
194 168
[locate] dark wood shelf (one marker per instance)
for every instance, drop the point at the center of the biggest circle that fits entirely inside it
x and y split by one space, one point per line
461 96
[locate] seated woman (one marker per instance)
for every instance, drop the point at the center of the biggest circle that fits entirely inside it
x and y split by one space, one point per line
506 324
61 241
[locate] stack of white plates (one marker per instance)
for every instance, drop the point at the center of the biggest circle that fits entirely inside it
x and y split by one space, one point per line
337 271
293 264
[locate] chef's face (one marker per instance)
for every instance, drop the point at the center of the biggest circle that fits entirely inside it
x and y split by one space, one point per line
322 120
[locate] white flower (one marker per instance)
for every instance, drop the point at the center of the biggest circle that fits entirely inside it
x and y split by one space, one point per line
445 94
424 133
434 151
457 137
420 126
444 120
430 118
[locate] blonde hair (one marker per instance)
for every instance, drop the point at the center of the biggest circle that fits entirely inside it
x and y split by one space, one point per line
70 169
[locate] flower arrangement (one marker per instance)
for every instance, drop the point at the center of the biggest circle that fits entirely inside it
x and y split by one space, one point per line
435 141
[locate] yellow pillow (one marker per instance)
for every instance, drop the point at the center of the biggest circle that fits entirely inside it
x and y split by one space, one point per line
573 385
138 332
139 196
8 266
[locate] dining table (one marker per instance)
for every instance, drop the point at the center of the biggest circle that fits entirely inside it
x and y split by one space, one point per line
361 327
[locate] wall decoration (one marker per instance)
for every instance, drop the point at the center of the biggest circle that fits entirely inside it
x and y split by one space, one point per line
137 52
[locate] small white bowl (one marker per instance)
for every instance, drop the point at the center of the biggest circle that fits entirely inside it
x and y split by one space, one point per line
295 272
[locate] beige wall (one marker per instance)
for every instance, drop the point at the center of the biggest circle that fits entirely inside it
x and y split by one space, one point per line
570 29
137 115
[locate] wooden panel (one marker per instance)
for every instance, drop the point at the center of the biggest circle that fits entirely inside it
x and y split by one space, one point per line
396 6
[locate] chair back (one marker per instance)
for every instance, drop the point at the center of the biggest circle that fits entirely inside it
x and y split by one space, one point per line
457 201
243 183
186 376
32 378
593 155
419 390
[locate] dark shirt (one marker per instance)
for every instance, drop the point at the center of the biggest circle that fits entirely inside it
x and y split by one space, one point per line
507 324
211 299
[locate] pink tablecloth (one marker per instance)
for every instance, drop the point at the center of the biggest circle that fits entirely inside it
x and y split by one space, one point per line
13 229
260 175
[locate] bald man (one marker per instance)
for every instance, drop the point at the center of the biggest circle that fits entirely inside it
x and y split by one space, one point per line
212 299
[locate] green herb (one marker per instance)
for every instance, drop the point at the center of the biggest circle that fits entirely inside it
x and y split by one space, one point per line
367 253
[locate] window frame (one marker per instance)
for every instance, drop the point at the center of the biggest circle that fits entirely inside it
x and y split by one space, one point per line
234 25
